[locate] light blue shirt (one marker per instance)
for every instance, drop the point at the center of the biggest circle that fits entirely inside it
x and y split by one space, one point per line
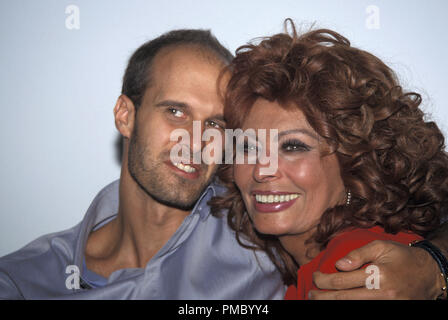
202 260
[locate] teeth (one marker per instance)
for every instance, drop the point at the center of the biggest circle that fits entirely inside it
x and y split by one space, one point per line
275 198
185 167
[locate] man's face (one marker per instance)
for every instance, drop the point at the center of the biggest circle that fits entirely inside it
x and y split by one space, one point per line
182 90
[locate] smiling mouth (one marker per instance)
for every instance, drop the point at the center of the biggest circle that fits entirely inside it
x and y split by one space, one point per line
273 201
185 167
185 170
275 198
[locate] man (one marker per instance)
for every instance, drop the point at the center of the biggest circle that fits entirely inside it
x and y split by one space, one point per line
154 243
151 235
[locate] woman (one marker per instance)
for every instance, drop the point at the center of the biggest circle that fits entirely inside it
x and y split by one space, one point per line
356 159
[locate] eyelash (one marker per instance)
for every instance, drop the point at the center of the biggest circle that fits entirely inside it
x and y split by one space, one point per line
294 145
246 146
291 145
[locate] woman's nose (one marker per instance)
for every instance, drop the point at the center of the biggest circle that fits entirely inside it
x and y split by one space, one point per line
262 171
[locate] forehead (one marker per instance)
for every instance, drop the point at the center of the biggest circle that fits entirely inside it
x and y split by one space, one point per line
183 71
267 114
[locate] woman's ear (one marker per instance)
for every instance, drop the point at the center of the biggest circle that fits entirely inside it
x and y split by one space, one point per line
124 113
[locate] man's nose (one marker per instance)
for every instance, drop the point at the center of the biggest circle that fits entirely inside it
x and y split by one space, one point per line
196 144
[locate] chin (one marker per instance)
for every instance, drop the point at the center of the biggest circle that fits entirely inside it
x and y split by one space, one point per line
271 226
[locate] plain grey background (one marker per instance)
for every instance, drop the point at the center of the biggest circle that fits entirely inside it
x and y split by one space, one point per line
61 64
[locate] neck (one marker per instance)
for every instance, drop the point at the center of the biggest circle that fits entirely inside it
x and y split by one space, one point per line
147 224
297 247
141 229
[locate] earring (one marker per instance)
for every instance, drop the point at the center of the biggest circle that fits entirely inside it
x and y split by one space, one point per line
349 198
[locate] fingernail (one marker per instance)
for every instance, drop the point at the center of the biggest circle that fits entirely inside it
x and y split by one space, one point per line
344 262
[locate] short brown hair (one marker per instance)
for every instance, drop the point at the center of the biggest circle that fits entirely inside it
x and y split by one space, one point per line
136 77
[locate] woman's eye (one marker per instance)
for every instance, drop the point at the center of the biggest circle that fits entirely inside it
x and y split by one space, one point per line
249 147
294 145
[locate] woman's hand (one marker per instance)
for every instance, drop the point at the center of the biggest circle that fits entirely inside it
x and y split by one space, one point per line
404 273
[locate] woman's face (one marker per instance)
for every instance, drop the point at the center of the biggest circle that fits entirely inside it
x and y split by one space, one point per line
306 183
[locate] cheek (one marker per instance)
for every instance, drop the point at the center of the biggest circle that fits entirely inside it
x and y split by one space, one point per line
320 180
158 138
306 173
242 175
333 177
156 126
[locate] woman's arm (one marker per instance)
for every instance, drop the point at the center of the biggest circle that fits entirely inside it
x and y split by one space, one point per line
405 272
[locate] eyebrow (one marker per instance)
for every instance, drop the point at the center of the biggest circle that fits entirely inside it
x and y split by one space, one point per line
303 131
172 103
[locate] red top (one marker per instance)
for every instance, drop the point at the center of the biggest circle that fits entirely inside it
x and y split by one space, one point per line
337 248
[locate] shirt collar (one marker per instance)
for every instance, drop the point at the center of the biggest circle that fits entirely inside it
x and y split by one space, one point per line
201 206
105 206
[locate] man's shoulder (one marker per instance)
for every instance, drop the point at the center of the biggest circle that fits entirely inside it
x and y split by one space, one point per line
42 263
37 262
62 240
37 251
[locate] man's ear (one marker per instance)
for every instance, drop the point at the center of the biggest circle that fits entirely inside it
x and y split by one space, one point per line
124 113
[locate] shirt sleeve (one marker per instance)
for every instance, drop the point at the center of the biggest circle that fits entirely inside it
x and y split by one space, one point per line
8 290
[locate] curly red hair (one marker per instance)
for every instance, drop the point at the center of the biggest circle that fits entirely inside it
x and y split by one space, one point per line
391 159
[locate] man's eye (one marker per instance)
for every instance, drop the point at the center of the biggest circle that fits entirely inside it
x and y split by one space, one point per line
213 124
176 112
